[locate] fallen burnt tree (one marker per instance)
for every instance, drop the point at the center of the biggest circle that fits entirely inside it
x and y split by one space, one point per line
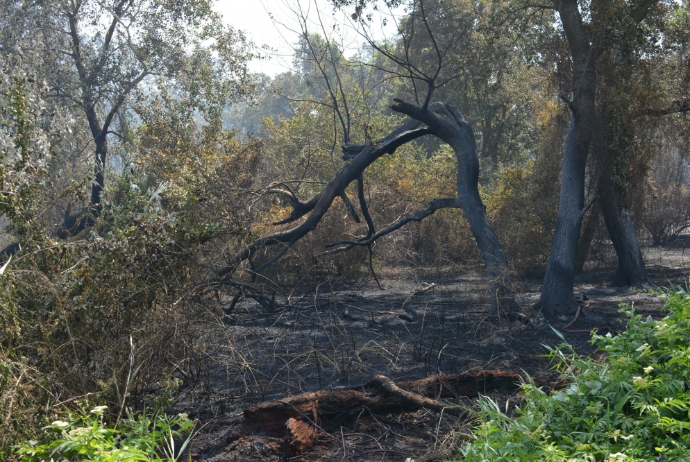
294 424
382 395
438 119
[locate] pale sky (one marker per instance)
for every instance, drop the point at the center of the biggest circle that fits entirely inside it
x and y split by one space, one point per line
254 17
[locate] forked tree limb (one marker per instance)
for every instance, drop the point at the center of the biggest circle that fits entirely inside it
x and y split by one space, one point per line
351 151
299 209
321 202
417 216
414 399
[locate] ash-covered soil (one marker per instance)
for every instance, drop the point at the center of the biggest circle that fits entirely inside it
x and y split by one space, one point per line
419 324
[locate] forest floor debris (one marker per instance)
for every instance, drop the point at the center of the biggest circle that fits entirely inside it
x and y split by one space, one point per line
325 379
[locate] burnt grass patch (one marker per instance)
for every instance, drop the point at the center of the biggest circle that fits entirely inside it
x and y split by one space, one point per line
315 346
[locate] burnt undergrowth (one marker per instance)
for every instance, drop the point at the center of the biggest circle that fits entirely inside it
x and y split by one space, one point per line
283 342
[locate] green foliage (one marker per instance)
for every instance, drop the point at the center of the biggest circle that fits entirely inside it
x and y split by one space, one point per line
633 406
28 135
85 436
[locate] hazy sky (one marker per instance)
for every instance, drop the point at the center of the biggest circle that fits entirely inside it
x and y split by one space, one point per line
254 17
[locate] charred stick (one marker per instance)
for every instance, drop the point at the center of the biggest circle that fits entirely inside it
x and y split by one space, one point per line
420 401
235 299
418 216
370 225
277 256
363 206
350 207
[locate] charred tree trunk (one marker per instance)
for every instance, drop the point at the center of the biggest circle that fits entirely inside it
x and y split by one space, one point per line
557 291
585 49
99 170
74 224
613 146
101 153
454 130
631 268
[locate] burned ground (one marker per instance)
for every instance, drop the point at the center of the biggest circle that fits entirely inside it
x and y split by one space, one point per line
331 341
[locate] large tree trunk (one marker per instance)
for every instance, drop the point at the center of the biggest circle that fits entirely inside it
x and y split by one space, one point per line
614 133
557 291
101 140
448 123
474 210
631 267
585 49
99 131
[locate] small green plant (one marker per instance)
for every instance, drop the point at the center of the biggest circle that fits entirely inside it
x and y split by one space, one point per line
633 406
85 436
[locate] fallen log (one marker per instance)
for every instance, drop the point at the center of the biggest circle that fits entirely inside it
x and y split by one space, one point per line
338 404
301 419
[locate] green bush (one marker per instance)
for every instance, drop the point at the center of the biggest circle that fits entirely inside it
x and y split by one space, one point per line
84 436
633 406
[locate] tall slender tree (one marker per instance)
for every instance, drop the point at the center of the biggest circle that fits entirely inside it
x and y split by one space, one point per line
588 37
97 55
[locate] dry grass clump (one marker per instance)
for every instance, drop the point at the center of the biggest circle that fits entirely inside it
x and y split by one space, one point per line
116 314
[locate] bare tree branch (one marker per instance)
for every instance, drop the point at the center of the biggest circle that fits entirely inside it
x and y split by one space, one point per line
417 216
319 204
363 206
676 107
350 207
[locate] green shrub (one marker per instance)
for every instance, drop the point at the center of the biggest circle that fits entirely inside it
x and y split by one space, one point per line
84 436
634 406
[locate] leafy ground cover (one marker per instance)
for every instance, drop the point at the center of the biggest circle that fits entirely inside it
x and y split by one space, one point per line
85 436
634 405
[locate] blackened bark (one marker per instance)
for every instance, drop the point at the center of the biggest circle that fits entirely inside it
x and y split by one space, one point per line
319 204
101 154
631 268
98 130
557 291
585 50
584 246
89 79
454 130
